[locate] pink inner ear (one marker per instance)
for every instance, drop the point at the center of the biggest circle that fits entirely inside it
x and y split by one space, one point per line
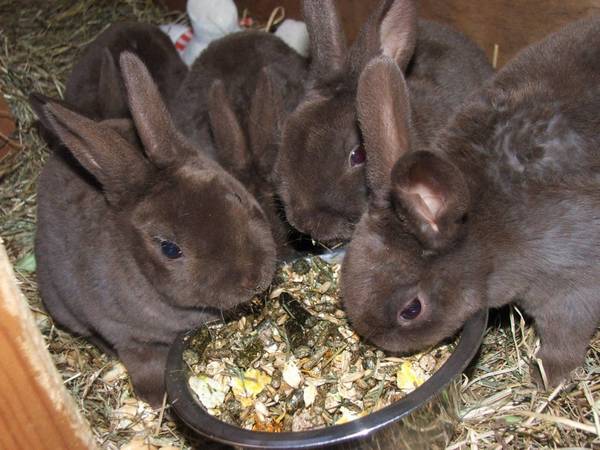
426 203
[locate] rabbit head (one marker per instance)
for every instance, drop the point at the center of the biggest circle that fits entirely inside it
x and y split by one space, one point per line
398 286
321 165
192 228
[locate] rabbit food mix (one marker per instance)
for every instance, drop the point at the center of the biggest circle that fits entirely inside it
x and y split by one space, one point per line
294 363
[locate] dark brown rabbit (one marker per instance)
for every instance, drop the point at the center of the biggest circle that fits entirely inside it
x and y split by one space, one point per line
320 167
136 245
237 60
504 207
235 101
248 154
94 84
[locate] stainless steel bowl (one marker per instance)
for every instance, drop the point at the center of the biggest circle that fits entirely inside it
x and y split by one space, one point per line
426 418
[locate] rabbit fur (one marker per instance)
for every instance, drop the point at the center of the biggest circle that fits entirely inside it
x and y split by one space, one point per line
135 245
235 101
504 206
94 84
320 182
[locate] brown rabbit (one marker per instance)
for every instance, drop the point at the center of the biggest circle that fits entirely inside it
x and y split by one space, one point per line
504 206
94 85
249 156
237 60
136 246
320 168
235 101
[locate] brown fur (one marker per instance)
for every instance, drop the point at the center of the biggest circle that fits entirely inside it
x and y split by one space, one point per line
235 101
323 195
105 208
503 207
237 60
247 158
94 84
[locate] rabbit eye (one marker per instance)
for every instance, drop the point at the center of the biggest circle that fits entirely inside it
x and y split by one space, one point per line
358 156
170 249
412 311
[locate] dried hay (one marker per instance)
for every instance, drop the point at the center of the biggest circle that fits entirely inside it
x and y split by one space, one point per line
38 41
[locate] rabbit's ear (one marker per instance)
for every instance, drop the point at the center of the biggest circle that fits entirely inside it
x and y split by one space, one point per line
111 94
266 116
434 195
390 31
384 116
156 130
38 102
117 165
327 40
125 128
230 140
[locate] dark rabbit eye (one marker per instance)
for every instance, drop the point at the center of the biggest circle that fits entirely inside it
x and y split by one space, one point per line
358 156
170 249
412 311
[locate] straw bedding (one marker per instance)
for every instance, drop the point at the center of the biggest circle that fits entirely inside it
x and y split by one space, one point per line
38 43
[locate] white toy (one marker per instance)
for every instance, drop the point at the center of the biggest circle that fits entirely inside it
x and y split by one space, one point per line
210 19
294 34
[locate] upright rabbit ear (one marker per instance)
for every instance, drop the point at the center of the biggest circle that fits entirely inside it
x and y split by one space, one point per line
111 93
433 194
117 165
327 40
266 116
384 116
390 31
230 140
157 132
38 102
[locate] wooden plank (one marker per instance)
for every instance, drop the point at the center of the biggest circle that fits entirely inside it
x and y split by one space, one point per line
510 24
36 411
7 128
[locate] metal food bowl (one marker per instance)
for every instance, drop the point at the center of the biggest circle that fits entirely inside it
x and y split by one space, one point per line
425 418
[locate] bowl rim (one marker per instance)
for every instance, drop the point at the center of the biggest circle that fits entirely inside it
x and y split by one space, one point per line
194 416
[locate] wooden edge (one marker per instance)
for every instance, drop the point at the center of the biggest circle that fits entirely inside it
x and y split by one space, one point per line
36 410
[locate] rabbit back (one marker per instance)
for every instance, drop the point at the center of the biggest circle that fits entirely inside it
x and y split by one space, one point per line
155 49
237 60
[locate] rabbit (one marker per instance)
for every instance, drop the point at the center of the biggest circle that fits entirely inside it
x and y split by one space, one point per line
246 154
504 206
320 168
94 84
237 60
135 245
234 101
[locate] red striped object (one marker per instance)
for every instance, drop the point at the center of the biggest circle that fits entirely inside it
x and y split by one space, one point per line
184 39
